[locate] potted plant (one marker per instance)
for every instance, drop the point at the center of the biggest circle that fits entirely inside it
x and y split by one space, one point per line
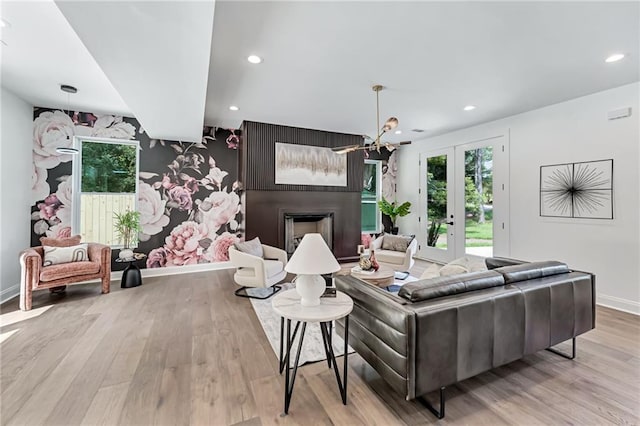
127 226
393 210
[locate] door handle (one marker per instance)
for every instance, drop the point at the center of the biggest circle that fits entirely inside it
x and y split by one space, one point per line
449 223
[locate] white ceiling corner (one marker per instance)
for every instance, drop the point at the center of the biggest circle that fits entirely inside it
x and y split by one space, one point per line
156 55
42 52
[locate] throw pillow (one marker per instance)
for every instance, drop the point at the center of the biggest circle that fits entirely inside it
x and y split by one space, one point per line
60 242
396 242
58 255
252 247
451 269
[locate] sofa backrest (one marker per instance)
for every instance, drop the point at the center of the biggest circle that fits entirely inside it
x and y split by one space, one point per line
532 270
498 262
432 288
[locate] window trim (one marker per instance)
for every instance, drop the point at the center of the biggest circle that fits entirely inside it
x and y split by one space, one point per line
76 184
378 164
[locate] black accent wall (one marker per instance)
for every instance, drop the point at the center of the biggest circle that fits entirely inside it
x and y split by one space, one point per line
266 203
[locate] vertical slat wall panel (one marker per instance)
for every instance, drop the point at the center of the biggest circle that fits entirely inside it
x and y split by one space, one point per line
257 156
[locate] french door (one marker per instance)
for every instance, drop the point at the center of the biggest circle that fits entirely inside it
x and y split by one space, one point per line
464 200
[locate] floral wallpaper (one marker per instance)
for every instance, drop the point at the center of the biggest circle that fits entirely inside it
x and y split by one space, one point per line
190 200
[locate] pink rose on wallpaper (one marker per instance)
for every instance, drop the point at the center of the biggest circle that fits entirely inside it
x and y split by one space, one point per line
51 130
166 182
65 191
49 207
112 126
59 231
219 249
180 197
389 178
157 258
39 186
215 175
219 208
191 185
151 207
183 244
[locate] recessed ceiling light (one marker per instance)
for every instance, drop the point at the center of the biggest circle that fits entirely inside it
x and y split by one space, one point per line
615 57
398 132
233 108
469 108
254 59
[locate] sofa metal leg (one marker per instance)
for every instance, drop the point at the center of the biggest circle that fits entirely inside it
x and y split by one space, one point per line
438 413
562 354
242 292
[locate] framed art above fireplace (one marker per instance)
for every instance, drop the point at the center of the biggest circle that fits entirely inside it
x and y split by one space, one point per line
309 165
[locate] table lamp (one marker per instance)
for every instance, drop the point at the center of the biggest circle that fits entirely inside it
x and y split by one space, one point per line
311 258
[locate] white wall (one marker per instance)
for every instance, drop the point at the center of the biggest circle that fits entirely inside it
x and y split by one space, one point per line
576 130
16 124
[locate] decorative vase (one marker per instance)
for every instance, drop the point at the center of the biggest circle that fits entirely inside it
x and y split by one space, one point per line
125 253
374 263
365 263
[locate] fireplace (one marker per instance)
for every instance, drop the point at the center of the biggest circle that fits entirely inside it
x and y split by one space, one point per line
296 225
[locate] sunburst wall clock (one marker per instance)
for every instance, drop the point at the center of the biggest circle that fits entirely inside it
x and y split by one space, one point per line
577 190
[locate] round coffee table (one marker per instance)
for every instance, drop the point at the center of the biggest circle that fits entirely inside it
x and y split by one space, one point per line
383 277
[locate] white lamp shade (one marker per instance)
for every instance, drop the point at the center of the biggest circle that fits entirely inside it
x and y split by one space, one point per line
312 257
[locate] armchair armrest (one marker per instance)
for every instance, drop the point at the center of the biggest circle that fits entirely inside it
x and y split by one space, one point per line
275 253
411 250
30 265
245 260
99 252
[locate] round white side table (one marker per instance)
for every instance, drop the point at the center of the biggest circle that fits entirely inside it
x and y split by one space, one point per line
287 305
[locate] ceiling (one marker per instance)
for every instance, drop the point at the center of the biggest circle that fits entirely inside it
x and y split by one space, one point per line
174 64
321 59
42 52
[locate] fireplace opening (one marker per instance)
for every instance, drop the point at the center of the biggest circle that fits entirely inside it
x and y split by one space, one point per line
296 225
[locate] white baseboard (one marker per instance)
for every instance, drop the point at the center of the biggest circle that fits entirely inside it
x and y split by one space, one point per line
14 291
175 270
618 303
9 293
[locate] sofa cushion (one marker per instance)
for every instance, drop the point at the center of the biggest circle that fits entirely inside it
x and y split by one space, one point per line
272 268
252 247
68 270
498 262
60 242
445 286
59 255
396 242
461 265
529 271
390 256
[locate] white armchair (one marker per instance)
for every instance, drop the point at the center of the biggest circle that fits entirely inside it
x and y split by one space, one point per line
257 272
400 261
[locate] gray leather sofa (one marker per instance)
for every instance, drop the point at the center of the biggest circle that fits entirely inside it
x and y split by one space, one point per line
440 331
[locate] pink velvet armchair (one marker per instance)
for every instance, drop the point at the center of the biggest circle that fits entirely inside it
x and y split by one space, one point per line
35 276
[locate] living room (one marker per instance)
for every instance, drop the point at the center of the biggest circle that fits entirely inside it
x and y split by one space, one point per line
537 89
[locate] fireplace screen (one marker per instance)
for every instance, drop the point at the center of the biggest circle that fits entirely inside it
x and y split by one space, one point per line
296 225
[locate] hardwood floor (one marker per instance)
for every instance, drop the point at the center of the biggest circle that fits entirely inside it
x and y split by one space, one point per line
183 349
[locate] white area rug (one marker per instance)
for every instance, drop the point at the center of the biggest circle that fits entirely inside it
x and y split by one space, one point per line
312 346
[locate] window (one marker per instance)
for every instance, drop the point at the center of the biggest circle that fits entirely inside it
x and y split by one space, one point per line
105 174
371 194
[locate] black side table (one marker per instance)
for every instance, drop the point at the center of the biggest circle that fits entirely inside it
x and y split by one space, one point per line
131 276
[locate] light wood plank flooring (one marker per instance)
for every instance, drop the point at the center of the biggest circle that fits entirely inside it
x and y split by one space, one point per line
184 350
